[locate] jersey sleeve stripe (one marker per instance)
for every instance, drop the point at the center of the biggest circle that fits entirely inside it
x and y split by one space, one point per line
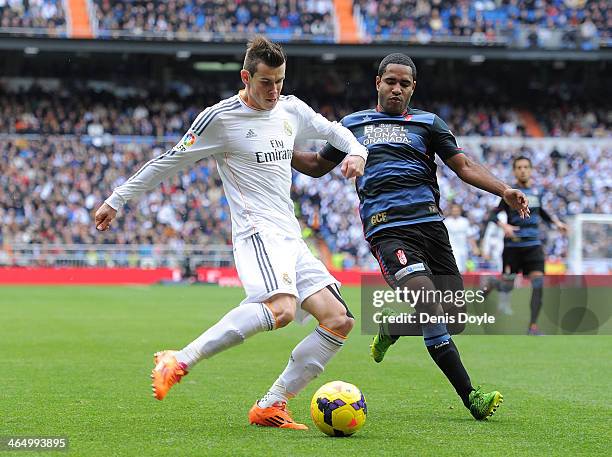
156 159
198 122
206 120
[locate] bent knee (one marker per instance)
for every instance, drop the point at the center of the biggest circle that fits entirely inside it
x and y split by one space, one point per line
284 317
283 308
339 323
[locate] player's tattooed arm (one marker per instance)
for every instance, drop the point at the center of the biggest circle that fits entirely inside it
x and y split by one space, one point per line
475 174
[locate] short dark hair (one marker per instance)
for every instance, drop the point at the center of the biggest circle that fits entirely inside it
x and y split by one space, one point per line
398 58
516 159
260 49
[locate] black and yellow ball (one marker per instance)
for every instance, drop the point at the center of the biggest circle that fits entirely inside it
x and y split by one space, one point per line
338 409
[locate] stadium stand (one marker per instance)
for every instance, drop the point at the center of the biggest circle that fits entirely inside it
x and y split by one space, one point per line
216 20
551 23
66 144
561 24
50 187
32 17
96 108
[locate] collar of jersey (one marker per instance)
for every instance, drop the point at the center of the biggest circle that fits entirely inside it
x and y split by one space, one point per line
380 110
255 110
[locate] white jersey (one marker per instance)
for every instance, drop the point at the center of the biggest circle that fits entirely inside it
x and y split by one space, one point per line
253 149
458 232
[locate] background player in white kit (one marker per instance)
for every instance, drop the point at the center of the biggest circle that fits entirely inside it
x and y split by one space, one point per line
252 136
460 235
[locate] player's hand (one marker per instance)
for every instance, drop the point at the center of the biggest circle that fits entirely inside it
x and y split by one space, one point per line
509 230
563 228
104 217
517 201
353 166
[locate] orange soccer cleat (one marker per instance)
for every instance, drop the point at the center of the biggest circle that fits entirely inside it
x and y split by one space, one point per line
167 372
276 415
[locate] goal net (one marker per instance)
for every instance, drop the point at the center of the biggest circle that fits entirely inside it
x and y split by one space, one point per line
590 249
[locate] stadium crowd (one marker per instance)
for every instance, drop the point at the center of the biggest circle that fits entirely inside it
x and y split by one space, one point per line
579 23
49 189
46 15
217 20
131 110
66 146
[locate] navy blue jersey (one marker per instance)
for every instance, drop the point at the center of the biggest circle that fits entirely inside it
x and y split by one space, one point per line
529 228
399 185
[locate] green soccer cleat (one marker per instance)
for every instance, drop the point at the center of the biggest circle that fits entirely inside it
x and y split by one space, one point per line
483 405
383 340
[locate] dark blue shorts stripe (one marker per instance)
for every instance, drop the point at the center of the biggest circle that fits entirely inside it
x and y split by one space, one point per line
261 265
267 259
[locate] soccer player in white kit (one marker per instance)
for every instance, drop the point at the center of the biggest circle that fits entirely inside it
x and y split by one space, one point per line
459 236
252 135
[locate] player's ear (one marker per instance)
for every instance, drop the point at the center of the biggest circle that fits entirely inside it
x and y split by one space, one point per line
378 80
245 76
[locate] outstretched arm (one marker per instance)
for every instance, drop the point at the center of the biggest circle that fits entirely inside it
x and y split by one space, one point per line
475 174
552 219
191 148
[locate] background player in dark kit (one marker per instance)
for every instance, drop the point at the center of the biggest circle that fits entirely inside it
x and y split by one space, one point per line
523 252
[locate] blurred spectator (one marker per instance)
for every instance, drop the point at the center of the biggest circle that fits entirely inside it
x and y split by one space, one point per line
85 109
546 23
32 17
282 20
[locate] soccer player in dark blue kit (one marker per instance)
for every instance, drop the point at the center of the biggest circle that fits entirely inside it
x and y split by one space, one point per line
399 208
523 251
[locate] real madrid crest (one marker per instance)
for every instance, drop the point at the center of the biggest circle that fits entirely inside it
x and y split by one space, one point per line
286 279
288 129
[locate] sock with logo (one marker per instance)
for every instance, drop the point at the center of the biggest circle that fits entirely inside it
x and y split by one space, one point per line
443 351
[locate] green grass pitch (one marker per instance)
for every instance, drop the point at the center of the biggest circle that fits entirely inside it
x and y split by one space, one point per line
76 362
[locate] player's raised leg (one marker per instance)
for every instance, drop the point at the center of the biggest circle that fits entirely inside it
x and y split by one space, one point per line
308 359
236 326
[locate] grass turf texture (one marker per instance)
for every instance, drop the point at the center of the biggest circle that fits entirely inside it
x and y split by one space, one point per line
76 362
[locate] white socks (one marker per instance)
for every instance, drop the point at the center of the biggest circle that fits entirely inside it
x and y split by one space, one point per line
307 361
233 328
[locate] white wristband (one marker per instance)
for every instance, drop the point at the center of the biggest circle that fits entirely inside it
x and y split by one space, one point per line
115 201
362 152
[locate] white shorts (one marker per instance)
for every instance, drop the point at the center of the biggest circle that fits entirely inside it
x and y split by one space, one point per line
271 263
461 257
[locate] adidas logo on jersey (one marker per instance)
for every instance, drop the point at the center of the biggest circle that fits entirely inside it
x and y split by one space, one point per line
251 134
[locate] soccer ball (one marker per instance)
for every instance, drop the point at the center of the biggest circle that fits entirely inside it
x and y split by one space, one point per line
338 409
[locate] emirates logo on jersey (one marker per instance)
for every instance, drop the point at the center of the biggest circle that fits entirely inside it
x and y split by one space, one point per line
401 256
